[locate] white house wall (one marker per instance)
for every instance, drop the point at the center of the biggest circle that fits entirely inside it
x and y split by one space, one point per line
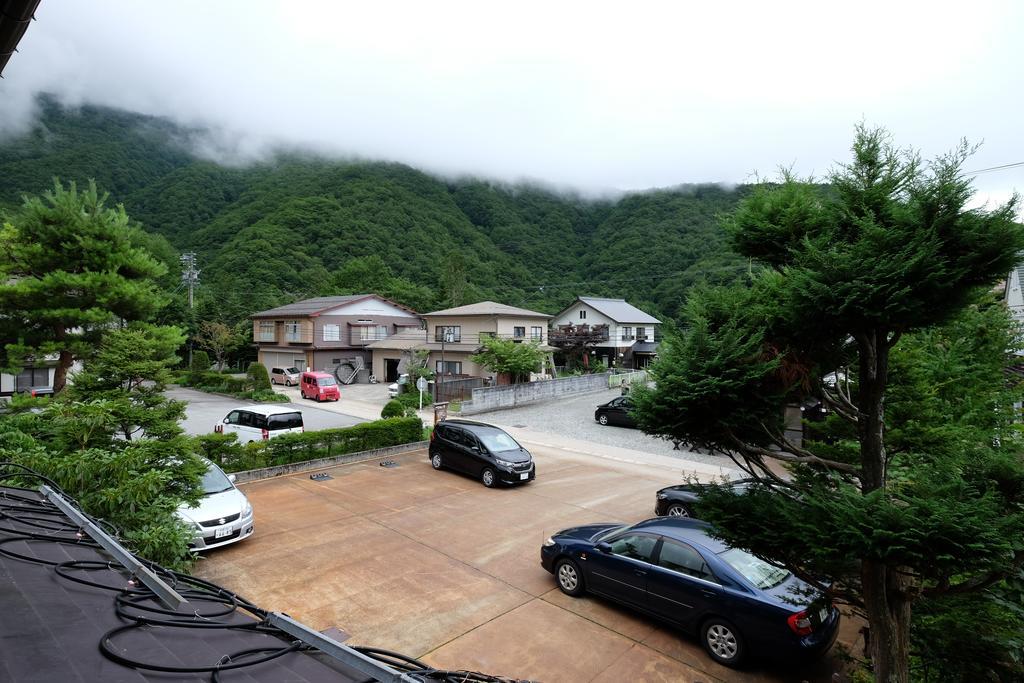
370 308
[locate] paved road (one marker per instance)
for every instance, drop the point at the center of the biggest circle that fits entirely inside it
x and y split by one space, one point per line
205 410
573 417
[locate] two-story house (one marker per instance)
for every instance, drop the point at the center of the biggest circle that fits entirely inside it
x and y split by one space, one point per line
328 332
630 337
453 335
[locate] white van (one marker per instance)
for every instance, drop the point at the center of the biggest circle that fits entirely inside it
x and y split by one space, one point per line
259 423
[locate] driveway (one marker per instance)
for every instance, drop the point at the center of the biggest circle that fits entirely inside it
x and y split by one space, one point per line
205 410
573 417
436 566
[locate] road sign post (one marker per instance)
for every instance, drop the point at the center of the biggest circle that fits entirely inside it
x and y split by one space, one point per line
421 384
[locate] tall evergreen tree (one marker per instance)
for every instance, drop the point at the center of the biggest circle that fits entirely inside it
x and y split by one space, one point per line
69 271
889 249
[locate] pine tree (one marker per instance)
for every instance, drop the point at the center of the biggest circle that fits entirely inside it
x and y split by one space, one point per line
887 249
68 271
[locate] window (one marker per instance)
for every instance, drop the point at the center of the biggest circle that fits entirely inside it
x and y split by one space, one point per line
518 332
32 377
756 570
487 335
627 333
291 330
265 331
537 333
332 332
232 417
448 333
635 546
685 560
448 367
373 332
245 418
641 333
285 421
583 314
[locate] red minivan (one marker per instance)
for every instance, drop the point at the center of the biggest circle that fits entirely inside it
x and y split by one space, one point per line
319 386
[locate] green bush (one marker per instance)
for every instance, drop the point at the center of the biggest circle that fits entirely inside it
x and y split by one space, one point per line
199 367
292 448
412 399
265 396
393 408
234 385
258 377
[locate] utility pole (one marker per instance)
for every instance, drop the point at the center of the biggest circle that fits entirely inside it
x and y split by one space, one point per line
189 277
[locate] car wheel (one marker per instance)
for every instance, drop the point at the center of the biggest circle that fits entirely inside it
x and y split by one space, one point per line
570 580
273 381
677 510
487 477
435 460
722 641
603 419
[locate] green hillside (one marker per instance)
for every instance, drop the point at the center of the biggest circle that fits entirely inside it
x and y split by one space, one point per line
298 225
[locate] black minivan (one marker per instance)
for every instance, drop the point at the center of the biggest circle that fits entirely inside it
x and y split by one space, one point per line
480 450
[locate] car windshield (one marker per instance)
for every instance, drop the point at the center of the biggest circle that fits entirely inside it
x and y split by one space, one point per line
292 371
496 440
325 381
284 421
754 569
215 481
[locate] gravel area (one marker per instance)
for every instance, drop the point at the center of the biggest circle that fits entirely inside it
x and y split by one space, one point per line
574 418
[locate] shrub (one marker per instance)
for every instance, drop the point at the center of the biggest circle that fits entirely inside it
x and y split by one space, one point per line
292 448
258 377
411 399
393 408
200 365
265 396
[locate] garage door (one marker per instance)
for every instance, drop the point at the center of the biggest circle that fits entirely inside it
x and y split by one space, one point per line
276 359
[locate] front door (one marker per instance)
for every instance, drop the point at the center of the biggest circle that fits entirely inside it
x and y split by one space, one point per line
621 572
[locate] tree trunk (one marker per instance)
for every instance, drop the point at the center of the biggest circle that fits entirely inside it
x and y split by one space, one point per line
886 598
60 373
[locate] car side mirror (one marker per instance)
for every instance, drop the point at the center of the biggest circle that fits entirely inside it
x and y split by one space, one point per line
475 448
225 420
603 547
232 478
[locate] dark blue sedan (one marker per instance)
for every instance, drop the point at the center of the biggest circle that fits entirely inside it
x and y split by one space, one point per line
670 568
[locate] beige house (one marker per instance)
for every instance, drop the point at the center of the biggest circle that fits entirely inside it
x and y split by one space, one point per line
453 335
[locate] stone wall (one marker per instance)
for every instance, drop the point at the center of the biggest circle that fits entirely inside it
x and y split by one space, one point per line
509 396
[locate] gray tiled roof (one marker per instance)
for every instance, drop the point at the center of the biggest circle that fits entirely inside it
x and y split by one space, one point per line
309 306
619 311
489 308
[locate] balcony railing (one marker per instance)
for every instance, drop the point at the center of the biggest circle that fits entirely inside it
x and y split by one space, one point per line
578 334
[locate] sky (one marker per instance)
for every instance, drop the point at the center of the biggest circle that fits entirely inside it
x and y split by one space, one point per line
596 97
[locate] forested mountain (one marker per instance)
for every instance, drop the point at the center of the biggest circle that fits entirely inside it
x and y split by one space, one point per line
298 225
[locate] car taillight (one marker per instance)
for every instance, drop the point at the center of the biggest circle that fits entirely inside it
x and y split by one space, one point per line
800 623
266 433
433 432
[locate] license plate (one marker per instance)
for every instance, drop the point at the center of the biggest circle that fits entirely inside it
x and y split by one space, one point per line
823 615
524 476
221 533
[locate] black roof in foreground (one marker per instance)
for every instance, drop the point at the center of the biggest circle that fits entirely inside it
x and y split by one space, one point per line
71 613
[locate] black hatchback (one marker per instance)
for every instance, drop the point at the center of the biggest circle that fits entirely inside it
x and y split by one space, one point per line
482 451
616 412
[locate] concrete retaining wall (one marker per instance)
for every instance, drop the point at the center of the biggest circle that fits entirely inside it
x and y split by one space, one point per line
496 398
321 463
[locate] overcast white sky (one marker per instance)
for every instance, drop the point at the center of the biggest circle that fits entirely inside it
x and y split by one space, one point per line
615 96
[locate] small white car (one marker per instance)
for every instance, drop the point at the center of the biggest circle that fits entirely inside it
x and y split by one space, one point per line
260 422
223 515
286 376
395 388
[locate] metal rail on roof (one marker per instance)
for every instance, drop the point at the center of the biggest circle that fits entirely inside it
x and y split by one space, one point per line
167 595
344 654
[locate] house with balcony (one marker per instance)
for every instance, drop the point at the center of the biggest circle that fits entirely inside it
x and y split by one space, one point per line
330 333
610 331
453 335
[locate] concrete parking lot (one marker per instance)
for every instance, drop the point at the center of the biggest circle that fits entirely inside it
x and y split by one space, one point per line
205 410
434 565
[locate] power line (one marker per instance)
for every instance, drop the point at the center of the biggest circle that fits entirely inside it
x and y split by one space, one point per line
995 168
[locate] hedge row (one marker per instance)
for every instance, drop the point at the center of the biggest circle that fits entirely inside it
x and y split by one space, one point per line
225 450
240 387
